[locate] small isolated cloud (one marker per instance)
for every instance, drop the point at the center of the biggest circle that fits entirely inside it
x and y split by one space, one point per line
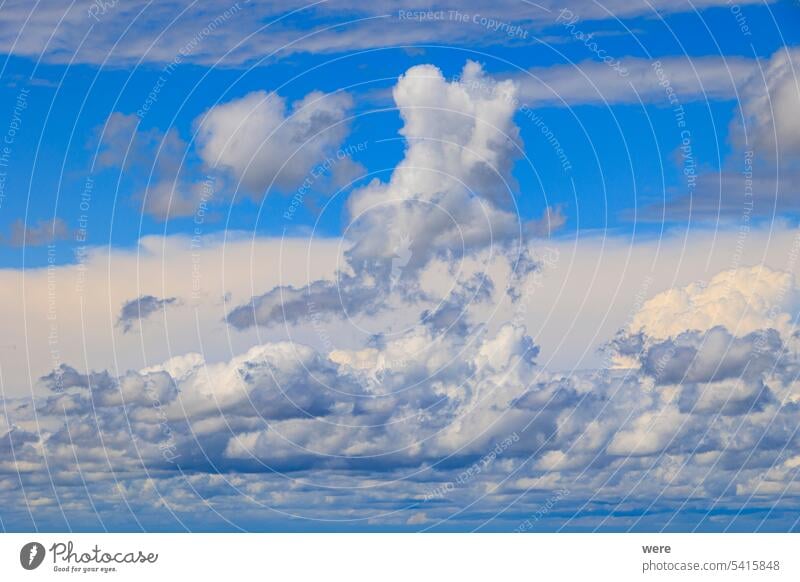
266 144
159 162
318 300
140 309
41 233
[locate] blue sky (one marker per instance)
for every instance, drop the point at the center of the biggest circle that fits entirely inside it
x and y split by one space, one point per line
494 266
68 105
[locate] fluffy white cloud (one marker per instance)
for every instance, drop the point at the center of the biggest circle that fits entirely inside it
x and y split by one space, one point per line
450 197
256 140
266 145
743 300
453 190
284 405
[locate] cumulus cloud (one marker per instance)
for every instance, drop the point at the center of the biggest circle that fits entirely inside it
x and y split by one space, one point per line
453 189
80 393
743 300
717 343
712 356
257 140
139 309
697 398
426 424
709 352
450 197
265 144
285 405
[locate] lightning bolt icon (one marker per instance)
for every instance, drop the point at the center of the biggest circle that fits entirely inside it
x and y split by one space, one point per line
32 554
